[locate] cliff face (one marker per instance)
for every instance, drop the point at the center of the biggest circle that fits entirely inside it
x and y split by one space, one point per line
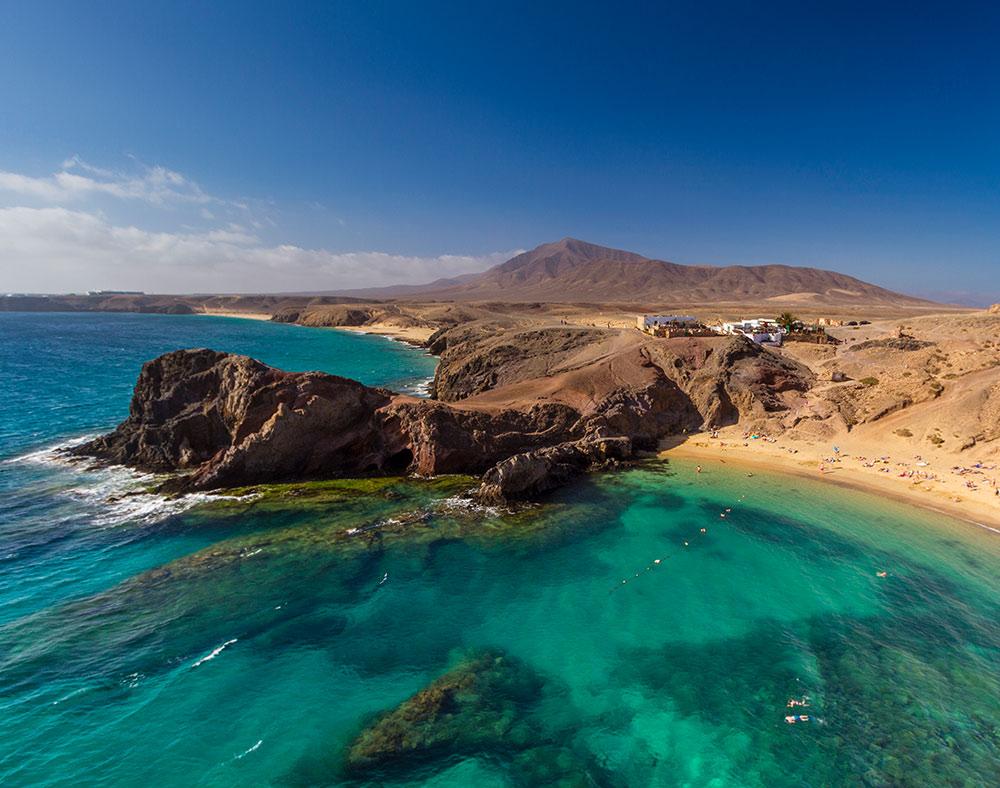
229 420
233 420
545 404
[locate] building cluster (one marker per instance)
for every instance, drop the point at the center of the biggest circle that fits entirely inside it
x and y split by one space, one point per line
761 330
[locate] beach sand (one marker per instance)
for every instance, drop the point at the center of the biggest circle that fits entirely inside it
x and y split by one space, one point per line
414 335
228 313
934 485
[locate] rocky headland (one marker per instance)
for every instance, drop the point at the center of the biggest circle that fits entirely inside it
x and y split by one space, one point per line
527 407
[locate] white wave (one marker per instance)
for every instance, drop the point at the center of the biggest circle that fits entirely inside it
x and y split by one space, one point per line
71 694
421 388
361 529
252 749
469 505
214 653
51 455
116 494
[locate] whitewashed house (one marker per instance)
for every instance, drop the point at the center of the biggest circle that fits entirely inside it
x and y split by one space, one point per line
759 330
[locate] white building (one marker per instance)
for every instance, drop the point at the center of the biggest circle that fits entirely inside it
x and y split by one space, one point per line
759 330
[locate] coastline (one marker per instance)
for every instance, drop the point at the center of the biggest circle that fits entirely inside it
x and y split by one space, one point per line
229 313
938 495
411 335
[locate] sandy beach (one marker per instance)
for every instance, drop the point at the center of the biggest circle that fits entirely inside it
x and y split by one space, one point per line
228 313
414 335
942 483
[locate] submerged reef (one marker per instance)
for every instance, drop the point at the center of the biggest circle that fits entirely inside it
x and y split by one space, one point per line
482 708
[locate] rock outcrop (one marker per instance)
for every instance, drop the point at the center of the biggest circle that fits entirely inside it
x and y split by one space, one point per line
232 420
621 383
529 474
479 357
553 403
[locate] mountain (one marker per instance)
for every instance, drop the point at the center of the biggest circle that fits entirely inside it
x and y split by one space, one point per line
576 271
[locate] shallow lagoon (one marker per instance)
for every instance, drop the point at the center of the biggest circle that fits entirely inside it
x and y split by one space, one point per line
250 640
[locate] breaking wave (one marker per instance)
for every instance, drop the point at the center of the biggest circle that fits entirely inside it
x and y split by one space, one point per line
113 494
214 653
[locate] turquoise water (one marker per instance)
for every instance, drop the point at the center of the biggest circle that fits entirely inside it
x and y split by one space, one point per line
248 641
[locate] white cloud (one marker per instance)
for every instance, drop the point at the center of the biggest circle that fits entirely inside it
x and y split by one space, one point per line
57 249
67 232
77 180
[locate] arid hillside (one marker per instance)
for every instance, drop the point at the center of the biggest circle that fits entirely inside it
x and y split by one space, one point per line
573 270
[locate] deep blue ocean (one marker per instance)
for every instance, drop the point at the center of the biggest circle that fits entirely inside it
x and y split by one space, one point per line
660 620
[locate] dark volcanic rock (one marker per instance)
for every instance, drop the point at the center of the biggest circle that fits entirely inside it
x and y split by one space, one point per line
233 420
445 439
227 420
532 473
230 420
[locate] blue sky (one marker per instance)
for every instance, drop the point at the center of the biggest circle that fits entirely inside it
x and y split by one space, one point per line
248 146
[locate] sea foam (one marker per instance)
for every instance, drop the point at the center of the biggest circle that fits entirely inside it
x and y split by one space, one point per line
114 494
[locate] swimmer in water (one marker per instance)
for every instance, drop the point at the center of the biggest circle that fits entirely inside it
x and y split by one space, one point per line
698 469
384 578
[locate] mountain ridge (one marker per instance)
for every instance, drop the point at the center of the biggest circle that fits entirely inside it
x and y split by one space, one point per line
572 270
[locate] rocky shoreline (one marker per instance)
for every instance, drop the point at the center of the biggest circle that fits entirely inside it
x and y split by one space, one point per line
526 408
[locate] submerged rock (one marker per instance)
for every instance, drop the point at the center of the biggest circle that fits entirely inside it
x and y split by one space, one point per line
483 708
477 706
